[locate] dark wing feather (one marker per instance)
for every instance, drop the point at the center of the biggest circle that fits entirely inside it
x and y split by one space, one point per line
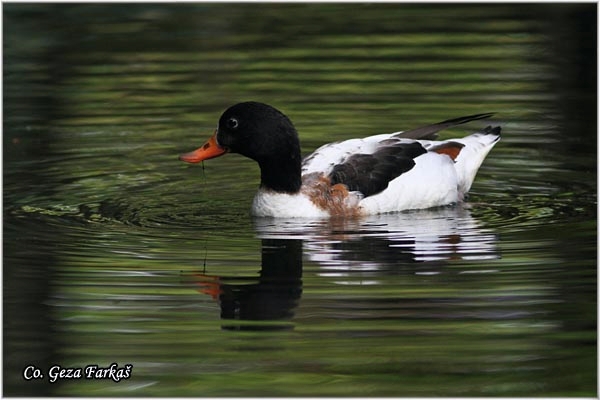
371 173
430 131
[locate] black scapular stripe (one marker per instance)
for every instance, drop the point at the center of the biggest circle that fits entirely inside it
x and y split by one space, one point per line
371 173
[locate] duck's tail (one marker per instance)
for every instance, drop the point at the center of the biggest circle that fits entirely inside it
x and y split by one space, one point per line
476 148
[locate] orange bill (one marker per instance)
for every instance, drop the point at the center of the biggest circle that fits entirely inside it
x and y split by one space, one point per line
209 150
210 285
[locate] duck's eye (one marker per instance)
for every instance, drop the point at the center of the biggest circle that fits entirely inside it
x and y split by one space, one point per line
232 123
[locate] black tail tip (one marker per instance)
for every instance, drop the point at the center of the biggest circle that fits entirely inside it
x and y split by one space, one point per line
489 130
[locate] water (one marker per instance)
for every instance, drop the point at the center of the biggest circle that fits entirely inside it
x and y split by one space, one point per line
115 252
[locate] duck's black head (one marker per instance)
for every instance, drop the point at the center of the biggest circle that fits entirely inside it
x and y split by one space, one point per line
257 131
262 133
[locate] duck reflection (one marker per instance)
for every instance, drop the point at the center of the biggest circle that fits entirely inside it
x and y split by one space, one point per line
423 236
420 242
272 298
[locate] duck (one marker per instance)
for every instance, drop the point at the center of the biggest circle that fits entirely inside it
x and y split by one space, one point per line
384 173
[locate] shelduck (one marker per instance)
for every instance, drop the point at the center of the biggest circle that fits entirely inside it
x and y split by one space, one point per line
376 174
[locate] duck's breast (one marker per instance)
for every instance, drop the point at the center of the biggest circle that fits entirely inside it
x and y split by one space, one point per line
268 203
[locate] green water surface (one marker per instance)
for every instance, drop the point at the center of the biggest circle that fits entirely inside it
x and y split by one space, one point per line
116 252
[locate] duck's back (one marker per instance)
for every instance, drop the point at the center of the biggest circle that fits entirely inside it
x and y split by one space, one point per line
388 173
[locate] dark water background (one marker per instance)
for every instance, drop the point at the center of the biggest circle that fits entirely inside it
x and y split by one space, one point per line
115 252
